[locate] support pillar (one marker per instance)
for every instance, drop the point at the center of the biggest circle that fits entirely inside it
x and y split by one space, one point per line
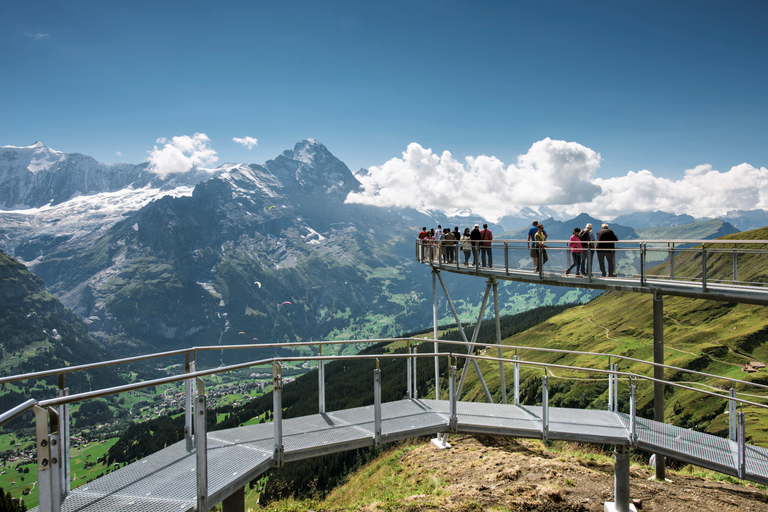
621 482
235 502
434 333
658 373
498 339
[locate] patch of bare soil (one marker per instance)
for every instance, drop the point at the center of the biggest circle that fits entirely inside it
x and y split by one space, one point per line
486 473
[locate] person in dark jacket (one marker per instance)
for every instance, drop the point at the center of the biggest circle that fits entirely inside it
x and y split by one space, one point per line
606 250
486 252
475 236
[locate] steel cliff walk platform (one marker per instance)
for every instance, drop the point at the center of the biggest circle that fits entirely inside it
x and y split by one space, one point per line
207 468
702 269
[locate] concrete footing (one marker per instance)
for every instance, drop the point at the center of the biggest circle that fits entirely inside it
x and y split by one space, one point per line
441 441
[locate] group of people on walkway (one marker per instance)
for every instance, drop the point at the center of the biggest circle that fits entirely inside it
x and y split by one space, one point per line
442 245
582 244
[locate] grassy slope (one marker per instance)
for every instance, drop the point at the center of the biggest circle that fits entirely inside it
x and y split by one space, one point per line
708 336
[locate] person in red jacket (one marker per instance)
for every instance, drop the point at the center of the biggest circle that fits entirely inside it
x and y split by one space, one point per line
422 236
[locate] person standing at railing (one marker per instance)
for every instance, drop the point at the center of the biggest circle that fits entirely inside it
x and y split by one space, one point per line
539 238
606 249
576 252
475 236
485 246
449 246
531 238
587 238
422 237
466 246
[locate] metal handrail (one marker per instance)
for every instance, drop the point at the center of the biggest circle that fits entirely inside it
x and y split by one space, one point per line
612 372
126 360
68 399
603 354
164 380
16 411
53 402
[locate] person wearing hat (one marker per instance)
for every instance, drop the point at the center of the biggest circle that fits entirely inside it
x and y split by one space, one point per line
475 236
587 238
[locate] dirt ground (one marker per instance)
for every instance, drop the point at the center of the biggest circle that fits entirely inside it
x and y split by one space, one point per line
506 474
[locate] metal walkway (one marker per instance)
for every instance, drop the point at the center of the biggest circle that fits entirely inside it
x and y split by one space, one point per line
688 267
165 481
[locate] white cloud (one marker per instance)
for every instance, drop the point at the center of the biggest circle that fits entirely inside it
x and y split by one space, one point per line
552 172
701 192
181 153
37 36
556 174
118 154
248 142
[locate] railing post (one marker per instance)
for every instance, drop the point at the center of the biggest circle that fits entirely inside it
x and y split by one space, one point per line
540 250
48 475
671 250
277 413
545 406
616 387
517 380
377 405
643 256
610 386
732 416
506 258
321 382
201 447
735 269
703 268
632 413
408 370
414 380
189 391
742 446
63 411
453 422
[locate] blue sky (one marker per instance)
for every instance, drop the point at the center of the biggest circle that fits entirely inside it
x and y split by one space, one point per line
657 86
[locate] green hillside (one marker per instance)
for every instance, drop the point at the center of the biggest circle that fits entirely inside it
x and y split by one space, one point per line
707 336
39 333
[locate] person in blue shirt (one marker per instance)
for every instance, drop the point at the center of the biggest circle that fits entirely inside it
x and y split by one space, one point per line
534 251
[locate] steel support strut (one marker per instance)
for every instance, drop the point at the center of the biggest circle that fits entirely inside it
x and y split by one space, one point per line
470 348
495 285
621 482
434 333
658 374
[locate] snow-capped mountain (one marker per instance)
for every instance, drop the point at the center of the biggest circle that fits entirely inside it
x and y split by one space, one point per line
36 175
150 265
